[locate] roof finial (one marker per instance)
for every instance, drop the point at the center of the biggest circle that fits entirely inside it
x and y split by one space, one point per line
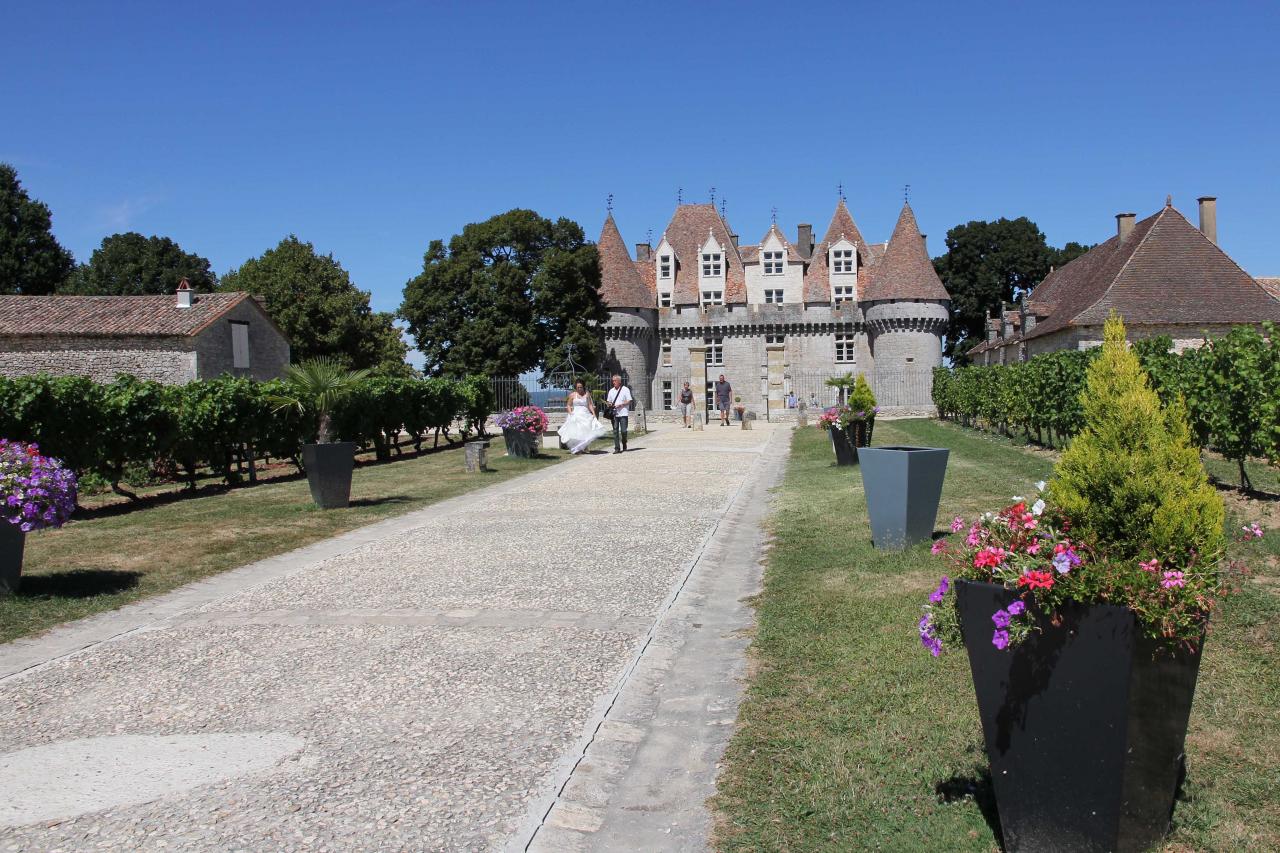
840 190
1168 200
906 194
679 196
648 237
722 202
608 203
713 196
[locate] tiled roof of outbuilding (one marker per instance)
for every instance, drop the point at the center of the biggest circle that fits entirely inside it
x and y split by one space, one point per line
1271 284
905 271
1165 272
112 316
620 284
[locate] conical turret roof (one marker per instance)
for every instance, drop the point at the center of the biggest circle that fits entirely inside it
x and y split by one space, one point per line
620 282
905 271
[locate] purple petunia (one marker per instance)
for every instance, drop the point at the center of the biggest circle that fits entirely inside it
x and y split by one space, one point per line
1001 618
36 491
938 594
1016 608
1000 639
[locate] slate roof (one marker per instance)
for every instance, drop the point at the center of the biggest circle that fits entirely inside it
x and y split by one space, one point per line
817 281
112 316
1165 272
687 231
621 285
905 271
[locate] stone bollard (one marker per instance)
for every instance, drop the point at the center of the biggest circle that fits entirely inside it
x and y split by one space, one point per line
476 455
697 424
746 423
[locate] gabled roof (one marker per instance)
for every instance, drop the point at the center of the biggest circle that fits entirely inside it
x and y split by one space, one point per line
1165 272
114 316
753 256
620 284
688 230
817 281
905 271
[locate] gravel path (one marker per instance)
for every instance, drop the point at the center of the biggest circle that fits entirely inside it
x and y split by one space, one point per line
427 688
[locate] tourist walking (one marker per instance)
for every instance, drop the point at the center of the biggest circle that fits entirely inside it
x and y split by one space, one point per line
791 400
619 409
686 405
581 427
724 399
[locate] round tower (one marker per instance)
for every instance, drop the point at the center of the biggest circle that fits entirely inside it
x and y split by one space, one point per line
907 311
631 332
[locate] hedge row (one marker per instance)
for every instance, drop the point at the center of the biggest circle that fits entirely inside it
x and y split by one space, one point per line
220 424
1230 387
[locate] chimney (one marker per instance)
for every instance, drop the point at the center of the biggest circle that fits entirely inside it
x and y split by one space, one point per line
1124 225
991 329
1209 217
1028 317
733 238
804 240
184 294
644 252
924 241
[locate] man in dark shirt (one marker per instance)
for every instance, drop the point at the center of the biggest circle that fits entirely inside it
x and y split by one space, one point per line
724 399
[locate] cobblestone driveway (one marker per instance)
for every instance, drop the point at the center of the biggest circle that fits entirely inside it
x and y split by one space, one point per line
435 682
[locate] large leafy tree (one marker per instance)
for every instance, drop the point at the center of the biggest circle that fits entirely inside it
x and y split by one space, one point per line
985 264
31 259
324 314
505 296
133 265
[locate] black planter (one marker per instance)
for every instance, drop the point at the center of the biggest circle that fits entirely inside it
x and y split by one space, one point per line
520 443
1084 725
903 486
12 544
842 446
329 472
860 434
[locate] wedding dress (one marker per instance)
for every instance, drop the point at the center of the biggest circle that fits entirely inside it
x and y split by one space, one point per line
581 427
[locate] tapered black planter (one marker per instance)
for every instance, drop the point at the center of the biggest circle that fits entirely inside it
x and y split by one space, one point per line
903 486
521 443
12 544
1084 725
842 446
329 472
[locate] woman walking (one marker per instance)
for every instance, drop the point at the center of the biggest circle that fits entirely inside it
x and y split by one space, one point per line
581 427
686 405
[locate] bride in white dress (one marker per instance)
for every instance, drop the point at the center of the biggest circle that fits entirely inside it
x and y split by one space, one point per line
581 427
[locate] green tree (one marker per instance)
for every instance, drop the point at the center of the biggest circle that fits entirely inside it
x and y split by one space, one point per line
507 294
314 301
985 264
32 262
133 265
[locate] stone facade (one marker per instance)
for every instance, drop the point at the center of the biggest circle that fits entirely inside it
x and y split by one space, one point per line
721 308
201 346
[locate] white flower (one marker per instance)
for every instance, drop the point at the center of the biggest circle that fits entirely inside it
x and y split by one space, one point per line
1040 486
1017 498
1037 507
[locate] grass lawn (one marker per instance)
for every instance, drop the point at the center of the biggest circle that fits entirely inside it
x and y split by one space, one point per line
852 737
119 554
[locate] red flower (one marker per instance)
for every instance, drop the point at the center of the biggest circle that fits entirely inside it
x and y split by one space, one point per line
989 558
1037 580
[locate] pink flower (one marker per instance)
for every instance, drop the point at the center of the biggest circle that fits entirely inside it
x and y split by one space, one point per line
1034 548
1253 531
1172 579
957 524
989 558
938 547
1151 565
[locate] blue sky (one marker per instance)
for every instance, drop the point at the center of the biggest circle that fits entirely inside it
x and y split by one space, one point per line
371 128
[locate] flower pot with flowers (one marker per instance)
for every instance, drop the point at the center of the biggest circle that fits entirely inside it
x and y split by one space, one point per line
314 388
36 491
859 417
1083 612
522 427
830 420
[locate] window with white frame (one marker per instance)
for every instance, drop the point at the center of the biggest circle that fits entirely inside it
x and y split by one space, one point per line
715 351
664 300
772 262
843 292
712 263
842 260
712 297
666 394
664 266
773 297
844 349
666 353
775 338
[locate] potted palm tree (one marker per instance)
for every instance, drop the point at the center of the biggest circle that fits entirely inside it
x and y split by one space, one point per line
313 388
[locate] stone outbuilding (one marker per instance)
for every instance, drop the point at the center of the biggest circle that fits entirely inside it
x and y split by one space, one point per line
171 339
1162 275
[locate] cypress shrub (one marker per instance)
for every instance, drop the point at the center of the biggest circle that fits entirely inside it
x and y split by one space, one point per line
1131 480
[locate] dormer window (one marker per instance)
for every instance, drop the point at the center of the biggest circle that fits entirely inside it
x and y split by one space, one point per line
772 262
843 292
712 263
664 300
712 297
664 266
842 260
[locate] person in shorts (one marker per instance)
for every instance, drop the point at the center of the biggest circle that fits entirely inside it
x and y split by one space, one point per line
619 397
724 399
686 405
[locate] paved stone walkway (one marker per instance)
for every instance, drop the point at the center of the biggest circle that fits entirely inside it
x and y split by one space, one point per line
550 664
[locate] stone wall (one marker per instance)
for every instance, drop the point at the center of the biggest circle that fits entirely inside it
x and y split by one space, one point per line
268 349
1185 336
168 360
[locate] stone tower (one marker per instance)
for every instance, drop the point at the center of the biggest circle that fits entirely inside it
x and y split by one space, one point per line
630 334
907 312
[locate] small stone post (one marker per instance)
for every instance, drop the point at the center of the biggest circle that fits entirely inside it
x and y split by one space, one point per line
698 382
476 456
